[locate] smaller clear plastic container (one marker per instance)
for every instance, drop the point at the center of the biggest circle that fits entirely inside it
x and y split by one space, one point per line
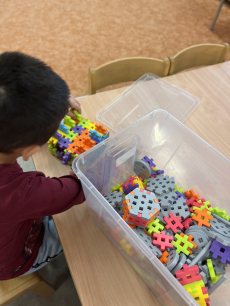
147 94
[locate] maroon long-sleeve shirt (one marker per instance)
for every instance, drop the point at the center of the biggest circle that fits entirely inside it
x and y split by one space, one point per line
26 197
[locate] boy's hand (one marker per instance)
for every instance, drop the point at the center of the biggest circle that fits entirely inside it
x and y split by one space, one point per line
75 105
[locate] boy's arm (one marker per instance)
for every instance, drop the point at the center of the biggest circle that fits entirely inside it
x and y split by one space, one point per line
44 196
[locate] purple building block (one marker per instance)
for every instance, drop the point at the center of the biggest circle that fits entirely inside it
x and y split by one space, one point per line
77 129
59 154
63 143
66 158
219 250
180 195
57 135
157 172
149 161
129 188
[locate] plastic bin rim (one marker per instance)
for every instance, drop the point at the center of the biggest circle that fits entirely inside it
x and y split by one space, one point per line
78 158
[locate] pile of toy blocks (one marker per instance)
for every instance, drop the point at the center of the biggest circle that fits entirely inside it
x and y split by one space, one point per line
189 236
74 137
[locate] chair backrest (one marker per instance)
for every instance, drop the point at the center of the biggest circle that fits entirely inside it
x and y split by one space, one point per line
198 55
125 70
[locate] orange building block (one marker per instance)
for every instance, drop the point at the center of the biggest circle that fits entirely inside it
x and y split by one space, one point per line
100 128
191 193
190 238
164 256
202 217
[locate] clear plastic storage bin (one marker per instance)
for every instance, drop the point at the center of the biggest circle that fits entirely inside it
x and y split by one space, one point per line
145 95
182 154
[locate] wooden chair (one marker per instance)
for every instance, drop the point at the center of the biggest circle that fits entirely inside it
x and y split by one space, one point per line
198 55
125 70
12 289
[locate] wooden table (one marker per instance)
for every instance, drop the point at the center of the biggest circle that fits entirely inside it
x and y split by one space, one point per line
101 275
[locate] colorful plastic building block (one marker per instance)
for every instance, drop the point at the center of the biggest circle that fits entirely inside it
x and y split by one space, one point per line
186 223
182 244
200 295
142 169
52 149
190 203
181 190
188 275
178 208
127 188
173 259
173 223
141 203
63 128
149 161
190 239
162 240
114 198
191 193
161 184
155 226
220 213
212 273
164 258
77 129
68 121
202 217
218 249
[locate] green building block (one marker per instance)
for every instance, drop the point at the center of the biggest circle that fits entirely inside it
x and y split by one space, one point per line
71 136
116 188
85 123
145 181
52 149
155 226
220 213
78 116
69 121
193 285
182 244
202 208
181 190
72 158
213 275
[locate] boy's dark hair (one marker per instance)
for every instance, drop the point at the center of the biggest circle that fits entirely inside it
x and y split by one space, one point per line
33 101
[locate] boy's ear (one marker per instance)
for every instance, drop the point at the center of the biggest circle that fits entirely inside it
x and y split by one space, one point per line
29 151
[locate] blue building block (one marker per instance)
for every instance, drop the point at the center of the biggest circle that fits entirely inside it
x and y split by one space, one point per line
63 128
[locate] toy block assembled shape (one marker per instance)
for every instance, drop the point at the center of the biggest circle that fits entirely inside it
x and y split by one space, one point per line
179 208
188 275
140 204
73 136
163 241
182 244
202 217
173 223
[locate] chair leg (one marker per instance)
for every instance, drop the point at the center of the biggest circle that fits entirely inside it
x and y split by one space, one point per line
42 289
217 14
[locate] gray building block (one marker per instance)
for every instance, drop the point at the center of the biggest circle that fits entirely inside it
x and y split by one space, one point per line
114 198
161 184
173 260
179 208
142 202
142 169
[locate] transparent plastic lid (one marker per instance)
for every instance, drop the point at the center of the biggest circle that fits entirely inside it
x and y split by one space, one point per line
147 94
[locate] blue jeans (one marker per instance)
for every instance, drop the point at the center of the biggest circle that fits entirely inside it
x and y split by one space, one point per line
50 248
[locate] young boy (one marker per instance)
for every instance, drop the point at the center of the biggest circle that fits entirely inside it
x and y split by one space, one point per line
33 101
